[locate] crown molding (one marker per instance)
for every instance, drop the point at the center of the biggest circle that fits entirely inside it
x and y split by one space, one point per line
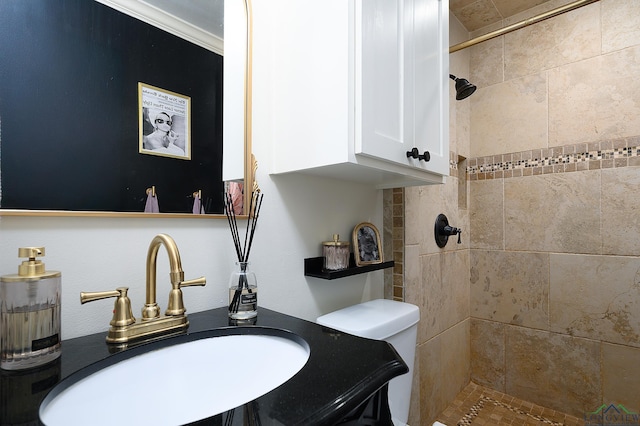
167 22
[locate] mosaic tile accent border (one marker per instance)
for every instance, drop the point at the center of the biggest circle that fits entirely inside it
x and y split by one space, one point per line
453 164
479 405
569 158
398 244
468 418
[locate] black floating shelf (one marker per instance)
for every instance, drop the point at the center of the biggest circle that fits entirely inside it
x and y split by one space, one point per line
313 268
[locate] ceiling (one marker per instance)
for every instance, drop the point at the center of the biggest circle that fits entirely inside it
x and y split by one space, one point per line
473 14
205 14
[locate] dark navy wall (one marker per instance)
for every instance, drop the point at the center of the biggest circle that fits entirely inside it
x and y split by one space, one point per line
69 73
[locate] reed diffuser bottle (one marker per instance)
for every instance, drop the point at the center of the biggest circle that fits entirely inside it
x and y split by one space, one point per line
243 286
30 314
243 293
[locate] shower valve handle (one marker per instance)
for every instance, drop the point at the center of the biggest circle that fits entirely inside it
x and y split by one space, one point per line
442 231
450 230
414 153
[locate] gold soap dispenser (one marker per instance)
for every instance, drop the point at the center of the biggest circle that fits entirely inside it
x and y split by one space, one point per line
30 313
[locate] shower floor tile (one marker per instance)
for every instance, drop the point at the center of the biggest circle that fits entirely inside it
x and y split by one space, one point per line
477 405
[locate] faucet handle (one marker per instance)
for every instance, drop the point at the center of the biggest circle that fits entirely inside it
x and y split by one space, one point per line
176 305
188 283
122 313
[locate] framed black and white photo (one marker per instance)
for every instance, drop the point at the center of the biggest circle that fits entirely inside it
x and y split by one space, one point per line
164 122
367 248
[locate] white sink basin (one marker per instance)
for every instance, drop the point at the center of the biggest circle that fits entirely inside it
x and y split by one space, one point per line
178 384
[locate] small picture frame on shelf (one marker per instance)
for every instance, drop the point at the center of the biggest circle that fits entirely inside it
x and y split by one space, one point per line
367 248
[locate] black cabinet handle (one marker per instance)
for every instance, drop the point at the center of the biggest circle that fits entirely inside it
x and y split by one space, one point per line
414 153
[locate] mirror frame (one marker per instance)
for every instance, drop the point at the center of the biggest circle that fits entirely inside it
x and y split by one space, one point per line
166 22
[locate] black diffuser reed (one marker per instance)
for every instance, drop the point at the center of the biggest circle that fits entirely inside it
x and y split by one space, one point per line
243 250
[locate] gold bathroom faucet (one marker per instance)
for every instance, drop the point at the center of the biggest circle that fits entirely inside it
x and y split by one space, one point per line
124 327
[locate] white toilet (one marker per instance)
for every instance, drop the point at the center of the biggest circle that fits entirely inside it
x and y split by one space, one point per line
394 322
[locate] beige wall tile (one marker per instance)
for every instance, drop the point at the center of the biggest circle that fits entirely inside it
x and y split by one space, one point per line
566 38
620 24
413 287
488 60
511 7
478 14
486 214
487 353
509 117
595 99
620 379
621 211
510 287
463 127
431 396
553 370
485 30
455 268
413 206
458 110
444 370
555 212
422 206
414 294
456 5
448 205
445 290
457 34
535 10
455 366
596 297
414 405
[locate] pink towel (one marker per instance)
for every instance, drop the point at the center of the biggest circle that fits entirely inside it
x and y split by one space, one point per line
197 205
151 205
236 190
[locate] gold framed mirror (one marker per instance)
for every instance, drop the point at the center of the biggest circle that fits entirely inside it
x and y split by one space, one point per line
100 17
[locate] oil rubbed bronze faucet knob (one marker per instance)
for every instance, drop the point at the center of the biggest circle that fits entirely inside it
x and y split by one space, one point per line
122 313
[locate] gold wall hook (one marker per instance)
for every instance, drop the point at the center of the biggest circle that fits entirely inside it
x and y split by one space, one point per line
151 191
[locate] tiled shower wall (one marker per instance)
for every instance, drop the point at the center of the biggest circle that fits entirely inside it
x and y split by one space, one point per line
555 210
542 298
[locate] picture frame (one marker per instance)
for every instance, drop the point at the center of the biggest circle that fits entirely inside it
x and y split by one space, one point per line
367 247
164 122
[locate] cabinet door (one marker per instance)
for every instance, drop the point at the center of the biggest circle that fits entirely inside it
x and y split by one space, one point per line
402 67
431 80
385 97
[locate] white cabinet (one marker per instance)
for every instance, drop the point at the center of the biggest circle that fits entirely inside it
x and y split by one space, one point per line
351 86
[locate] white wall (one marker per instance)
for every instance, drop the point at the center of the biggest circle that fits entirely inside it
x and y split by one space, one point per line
298 213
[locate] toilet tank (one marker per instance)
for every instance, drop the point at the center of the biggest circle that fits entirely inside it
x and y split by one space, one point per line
389 320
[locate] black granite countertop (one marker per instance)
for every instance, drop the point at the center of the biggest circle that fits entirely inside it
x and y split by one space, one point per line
342 372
